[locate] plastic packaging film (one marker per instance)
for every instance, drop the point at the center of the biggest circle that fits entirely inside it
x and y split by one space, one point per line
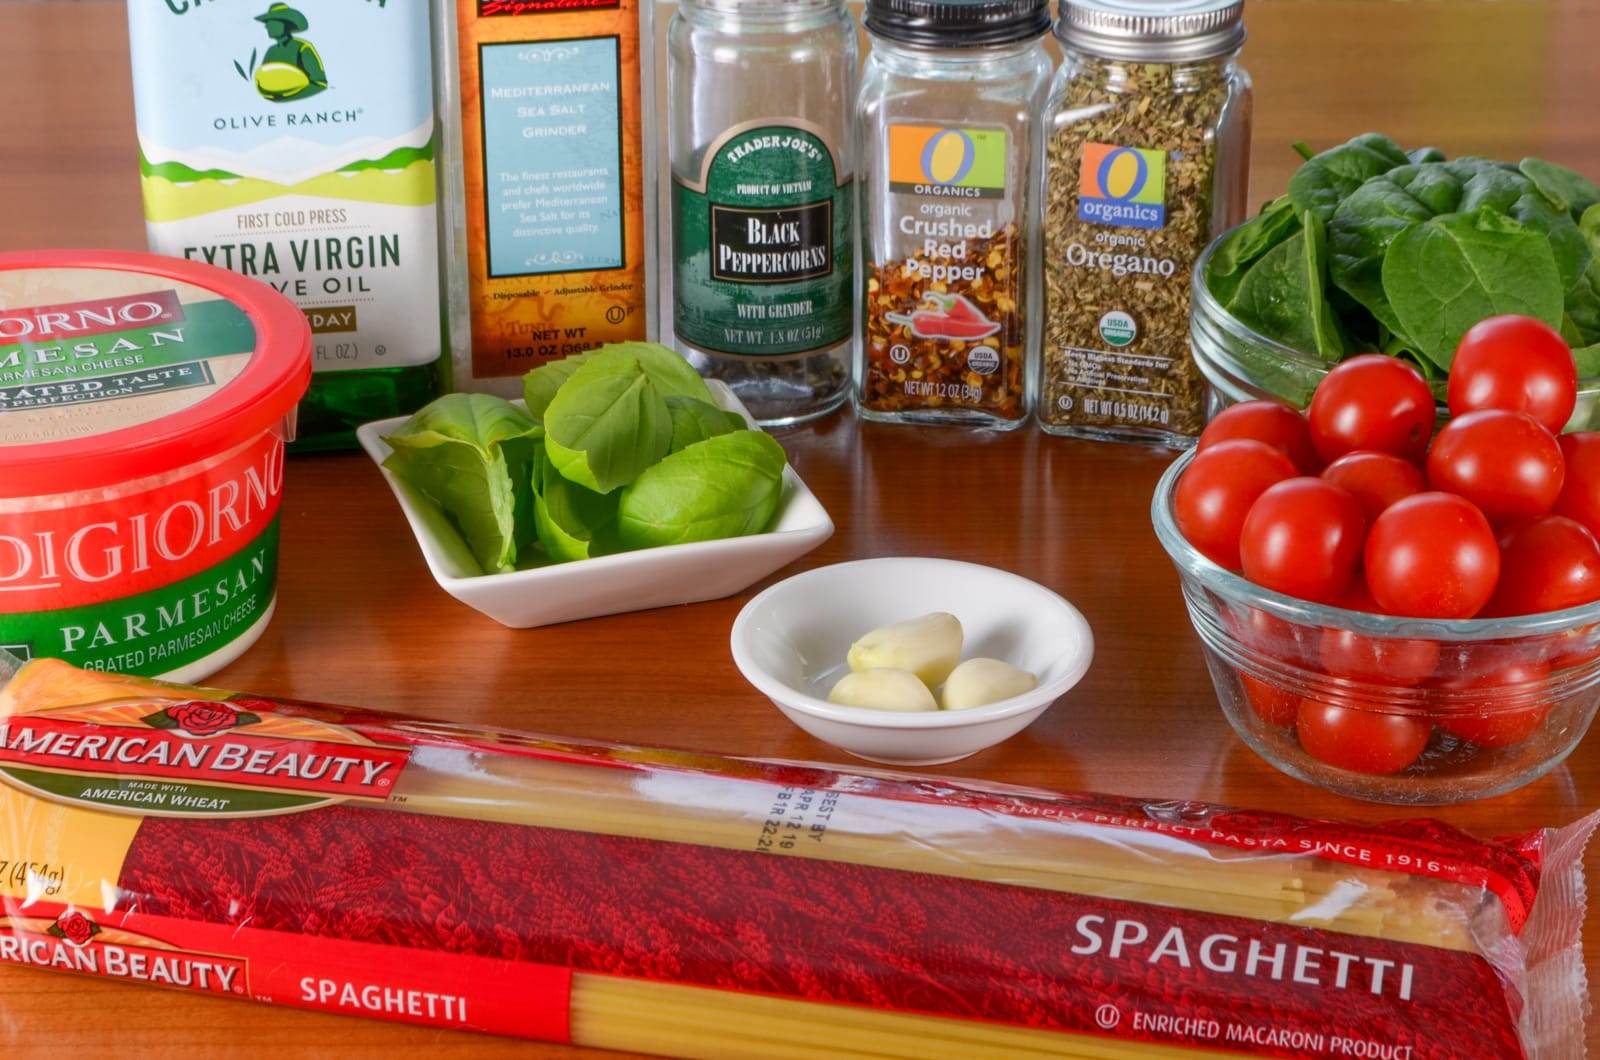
685 904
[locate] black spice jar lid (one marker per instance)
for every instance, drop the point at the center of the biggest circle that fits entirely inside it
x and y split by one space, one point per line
957 23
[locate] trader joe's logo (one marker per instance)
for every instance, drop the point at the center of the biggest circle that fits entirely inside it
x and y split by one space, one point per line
1125 187
193 758
290 68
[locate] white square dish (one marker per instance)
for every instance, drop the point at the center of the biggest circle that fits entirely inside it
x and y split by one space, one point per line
607 585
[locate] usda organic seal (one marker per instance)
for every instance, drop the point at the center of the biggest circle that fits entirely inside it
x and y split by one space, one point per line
1118 328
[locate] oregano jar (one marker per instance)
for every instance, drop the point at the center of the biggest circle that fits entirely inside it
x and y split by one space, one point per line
763 199
948 119
1147 145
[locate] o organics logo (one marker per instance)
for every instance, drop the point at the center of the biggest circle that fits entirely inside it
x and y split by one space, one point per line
201 718
74 927
950 163
291 67
1122 186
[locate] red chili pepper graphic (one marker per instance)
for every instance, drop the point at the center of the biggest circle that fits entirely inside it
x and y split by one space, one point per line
947 316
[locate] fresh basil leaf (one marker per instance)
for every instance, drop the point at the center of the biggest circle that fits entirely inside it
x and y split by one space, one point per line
607 424
1282 296
572 521
726 486
1246 244
540 385
1445 275
471 454
671 374
1325 180
1567 189
695 421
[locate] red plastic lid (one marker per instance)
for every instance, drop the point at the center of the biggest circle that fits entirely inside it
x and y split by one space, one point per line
118 365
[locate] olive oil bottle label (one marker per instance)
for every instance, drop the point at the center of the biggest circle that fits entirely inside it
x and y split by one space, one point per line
553 182
763 246
294 143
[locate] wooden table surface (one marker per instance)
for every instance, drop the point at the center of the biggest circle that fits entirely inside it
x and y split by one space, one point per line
360 621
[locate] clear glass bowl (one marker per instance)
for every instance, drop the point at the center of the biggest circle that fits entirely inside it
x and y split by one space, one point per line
1241 364
1274 658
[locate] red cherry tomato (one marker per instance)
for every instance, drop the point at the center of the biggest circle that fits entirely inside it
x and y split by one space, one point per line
1217 490
1270 635
1399 662
1359 738
1580 493
1509 712
1547 565
1377 480
1273 705
1518 364
1372 402
1504 462
1303 538
1432 556
1266 421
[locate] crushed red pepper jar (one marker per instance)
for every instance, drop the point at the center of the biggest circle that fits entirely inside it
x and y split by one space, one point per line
947 113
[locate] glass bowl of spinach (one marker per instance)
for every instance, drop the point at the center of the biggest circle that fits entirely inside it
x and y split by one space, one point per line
1377 248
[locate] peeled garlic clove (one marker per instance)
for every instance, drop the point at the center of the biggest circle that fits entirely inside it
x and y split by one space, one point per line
929 647
979 682
883 690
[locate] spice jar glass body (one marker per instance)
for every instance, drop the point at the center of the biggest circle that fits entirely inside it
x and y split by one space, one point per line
950 235
1146 162
763 164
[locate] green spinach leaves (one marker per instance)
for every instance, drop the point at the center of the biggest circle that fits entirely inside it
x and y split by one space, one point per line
1417 248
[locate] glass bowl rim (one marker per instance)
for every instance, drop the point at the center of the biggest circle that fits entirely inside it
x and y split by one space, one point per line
1237 588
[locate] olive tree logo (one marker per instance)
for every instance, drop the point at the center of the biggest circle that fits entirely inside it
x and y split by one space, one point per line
290 68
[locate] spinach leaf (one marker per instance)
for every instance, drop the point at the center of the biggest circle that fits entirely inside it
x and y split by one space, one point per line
695 421
1327 179
726 486
1283 294
1567 189
607 424
1418 155
1445 275
1245 245
1588 361
572 522
468 453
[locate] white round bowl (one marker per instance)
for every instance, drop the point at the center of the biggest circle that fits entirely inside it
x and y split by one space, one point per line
791 642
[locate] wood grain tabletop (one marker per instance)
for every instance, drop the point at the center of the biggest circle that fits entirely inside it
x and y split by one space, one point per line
360 621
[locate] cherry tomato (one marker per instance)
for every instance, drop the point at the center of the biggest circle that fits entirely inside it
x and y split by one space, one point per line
1216 493
1266 421
1273 636
1547 565
1362 739
1500 718
1518 364
1372 402
1580 493
1432 556
1398 662
1376 479
1273 705
1303 538
1504 462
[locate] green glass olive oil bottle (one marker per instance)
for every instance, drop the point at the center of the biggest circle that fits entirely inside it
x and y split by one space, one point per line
295 143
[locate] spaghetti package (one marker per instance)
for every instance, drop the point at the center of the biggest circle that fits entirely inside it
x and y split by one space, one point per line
685 904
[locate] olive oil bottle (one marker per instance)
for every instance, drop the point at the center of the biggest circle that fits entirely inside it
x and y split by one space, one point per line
295 143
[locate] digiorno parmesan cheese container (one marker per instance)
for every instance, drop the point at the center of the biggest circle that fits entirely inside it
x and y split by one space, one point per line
144 407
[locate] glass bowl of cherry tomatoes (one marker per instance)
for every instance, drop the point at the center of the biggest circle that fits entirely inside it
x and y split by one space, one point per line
1394 612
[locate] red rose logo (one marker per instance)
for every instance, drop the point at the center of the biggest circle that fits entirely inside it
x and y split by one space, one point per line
75 928
201 717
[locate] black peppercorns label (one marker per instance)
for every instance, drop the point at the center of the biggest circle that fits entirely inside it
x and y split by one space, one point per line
762 246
